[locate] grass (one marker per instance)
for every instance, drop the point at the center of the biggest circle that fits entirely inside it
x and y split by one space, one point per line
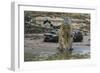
58 56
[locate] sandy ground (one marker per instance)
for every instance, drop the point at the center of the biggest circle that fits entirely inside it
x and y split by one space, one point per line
38 47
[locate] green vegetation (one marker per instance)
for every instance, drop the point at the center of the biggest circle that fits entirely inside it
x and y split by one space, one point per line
32 27
59 56
35 29
31 14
